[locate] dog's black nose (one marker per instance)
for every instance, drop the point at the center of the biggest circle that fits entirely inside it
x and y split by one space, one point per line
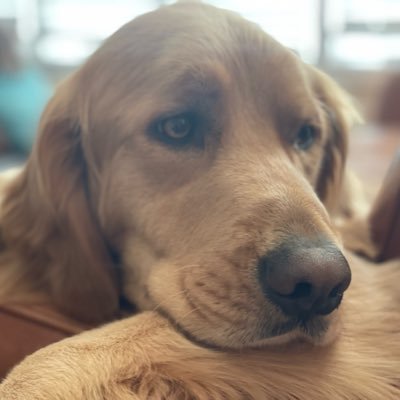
305 278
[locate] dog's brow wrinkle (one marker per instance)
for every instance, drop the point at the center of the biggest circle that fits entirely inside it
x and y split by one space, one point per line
206 77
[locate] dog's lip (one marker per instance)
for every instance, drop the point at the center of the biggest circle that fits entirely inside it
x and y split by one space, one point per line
318 330
314 331
314 326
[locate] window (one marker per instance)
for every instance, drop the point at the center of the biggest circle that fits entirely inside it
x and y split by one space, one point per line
293 23
355 34
70 30
362 34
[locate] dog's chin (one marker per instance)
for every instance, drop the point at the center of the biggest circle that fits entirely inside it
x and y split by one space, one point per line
319 331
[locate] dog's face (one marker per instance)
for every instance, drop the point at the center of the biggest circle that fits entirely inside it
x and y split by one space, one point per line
210 153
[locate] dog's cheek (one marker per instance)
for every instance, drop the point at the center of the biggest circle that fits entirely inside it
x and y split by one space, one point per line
309 164
331 171
139 262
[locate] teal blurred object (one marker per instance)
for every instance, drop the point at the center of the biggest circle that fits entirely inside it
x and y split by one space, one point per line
23 96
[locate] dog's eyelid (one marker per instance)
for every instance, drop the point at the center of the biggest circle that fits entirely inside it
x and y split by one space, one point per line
316 127
315 123
313 120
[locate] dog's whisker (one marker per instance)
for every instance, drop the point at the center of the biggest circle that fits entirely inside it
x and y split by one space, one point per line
185 267
176 295
189 313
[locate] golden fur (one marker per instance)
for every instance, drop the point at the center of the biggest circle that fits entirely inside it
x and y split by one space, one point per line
143 357
104 208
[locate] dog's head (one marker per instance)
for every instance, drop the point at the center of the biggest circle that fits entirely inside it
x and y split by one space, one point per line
189 165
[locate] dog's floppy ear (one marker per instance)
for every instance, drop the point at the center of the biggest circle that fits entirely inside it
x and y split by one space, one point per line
49 221
340 115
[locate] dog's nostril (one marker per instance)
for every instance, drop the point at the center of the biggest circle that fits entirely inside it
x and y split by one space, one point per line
336 291
302 289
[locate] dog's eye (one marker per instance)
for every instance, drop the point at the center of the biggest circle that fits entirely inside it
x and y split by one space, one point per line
176 130
305 137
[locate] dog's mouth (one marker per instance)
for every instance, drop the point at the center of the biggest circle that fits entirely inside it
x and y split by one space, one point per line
317 330
312 327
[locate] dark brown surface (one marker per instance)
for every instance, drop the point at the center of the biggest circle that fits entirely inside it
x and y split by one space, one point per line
385 215
375 157
24 330
389 107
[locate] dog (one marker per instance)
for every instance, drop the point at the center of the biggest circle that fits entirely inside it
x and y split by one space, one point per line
194 166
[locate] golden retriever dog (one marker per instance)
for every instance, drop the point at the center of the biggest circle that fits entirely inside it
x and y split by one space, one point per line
194 166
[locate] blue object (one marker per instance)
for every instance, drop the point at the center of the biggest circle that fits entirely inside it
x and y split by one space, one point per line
23 96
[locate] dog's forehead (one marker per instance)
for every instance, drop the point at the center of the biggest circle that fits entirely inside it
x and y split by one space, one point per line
186 36
194 46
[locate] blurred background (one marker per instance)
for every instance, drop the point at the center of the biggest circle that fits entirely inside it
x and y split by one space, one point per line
355 41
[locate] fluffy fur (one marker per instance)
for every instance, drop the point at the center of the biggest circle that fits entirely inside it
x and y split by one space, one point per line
107 206
143 357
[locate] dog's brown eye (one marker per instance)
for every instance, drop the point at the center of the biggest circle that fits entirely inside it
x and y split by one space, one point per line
180 131
178 128
305 137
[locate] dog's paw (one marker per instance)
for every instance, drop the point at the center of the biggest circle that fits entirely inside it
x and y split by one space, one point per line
111 362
